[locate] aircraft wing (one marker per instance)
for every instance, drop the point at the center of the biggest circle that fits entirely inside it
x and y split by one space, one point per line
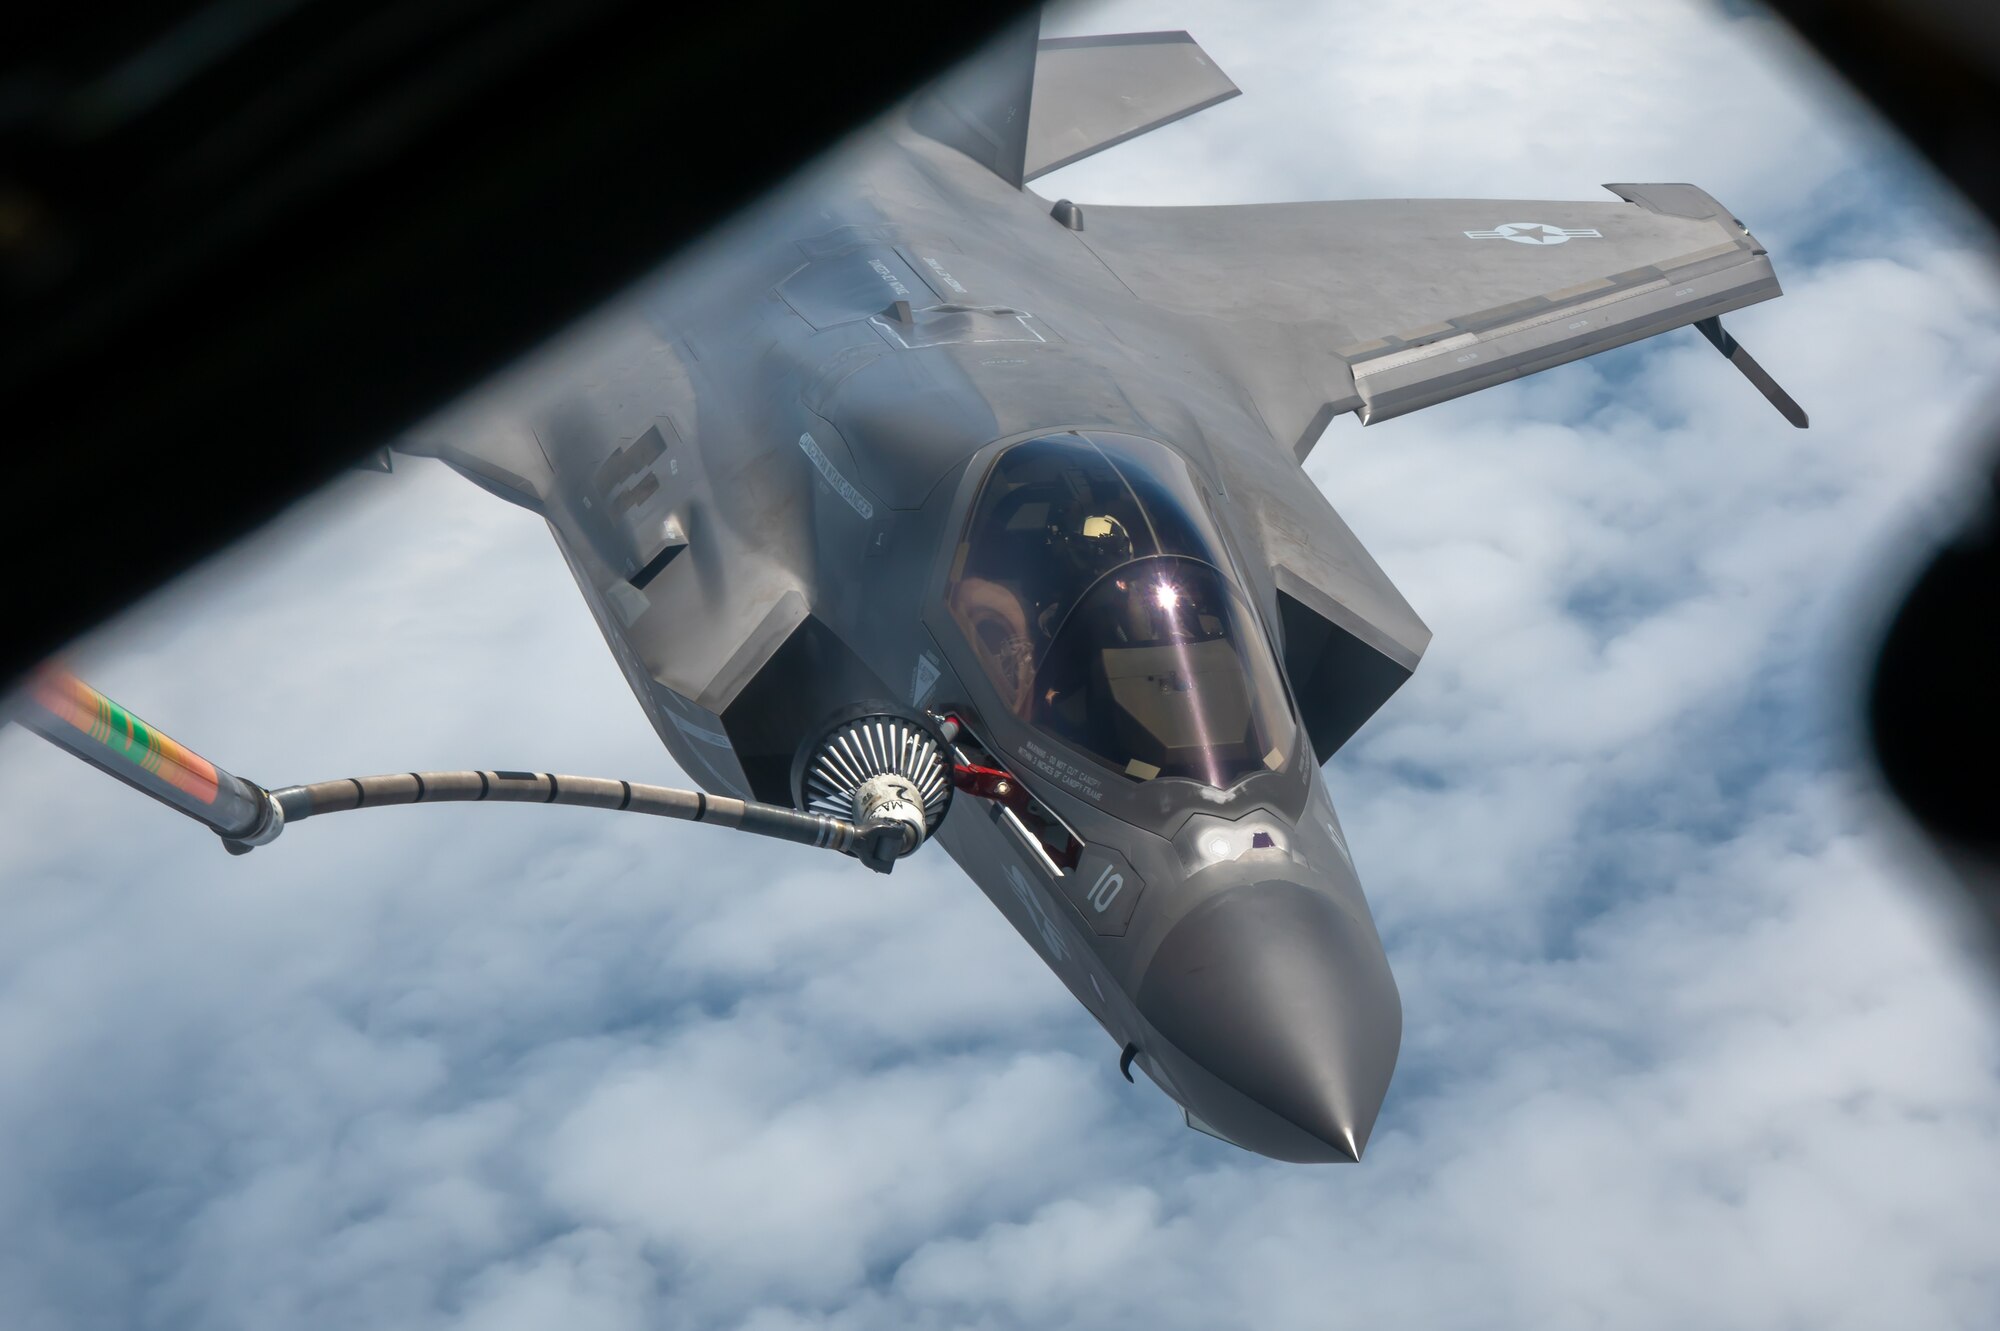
1384 306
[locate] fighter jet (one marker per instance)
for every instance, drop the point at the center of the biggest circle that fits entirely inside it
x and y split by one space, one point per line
912 459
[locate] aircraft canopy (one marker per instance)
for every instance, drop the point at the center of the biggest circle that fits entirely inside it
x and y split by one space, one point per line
1097 595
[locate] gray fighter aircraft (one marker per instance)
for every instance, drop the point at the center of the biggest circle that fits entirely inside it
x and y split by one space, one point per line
912 441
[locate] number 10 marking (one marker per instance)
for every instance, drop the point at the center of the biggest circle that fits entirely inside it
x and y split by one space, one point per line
1106 889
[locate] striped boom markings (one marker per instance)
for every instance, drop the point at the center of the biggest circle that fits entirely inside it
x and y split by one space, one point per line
117 731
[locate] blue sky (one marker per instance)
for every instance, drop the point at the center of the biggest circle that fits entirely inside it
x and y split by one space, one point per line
1687 1041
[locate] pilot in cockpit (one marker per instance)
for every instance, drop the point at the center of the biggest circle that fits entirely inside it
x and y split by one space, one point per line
1091 585
1089 543
1015 611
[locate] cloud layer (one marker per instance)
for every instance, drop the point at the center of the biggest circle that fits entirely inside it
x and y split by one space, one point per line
1684 1045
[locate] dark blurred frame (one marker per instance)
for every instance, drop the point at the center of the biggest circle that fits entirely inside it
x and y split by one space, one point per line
1933 67
243 242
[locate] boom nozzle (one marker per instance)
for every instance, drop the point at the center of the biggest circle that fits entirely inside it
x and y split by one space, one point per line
76 718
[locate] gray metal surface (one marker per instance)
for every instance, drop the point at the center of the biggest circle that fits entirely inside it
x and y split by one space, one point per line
805 412
1091 93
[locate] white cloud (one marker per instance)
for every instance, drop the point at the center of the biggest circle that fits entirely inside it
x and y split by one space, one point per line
1682 1045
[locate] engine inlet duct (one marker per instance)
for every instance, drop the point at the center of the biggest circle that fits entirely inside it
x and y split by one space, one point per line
880 769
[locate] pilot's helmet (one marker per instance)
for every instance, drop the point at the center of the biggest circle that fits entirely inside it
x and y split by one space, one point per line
1093 543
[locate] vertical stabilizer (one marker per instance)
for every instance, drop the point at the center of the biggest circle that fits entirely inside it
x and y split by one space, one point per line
981 108
1093 93
1024 107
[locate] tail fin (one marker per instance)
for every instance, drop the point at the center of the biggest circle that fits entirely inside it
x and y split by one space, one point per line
1092 93
1026 106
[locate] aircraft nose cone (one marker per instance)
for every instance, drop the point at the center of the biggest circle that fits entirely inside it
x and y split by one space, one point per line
1278 991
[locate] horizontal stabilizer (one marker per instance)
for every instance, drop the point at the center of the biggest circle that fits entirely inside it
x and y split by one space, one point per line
1093 92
